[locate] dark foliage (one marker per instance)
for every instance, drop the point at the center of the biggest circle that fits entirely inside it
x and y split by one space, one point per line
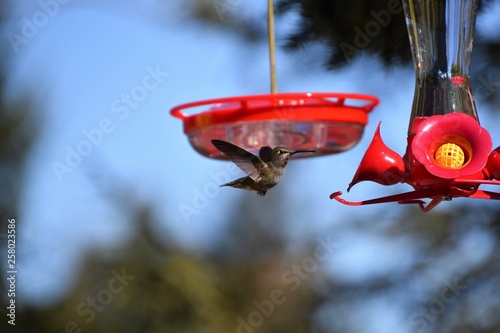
351 28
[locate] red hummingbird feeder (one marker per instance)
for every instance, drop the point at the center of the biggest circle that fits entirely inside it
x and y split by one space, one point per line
325 122
448 154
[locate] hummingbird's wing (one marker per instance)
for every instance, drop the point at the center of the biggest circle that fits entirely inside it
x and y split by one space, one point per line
246 161
265 153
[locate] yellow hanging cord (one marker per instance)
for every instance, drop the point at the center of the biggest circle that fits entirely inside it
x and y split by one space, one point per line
272 52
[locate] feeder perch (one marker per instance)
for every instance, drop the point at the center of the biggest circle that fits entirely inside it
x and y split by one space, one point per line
448 154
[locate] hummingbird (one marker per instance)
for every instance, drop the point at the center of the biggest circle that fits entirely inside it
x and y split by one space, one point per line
264 171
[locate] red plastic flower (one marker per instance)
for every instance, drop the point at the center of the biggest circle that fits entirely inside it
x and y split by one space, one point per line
463 134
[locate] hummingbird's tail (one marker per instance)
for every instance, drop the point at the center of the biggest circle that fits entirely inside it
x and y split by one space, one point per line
235 183
245 183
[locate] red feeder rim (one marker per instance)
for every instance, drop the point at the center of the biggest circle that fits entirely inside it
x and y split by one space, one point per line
284 119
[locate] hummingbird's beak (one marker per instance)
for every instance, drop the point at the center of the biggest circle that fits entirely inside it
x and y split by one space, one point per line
303 151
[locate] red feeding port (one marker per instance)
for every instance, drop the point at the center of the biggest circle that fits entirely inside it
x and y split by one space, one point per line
430 174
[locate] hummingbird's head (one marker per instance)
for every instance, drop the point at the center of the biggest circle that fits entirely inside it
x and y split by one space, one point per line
281 155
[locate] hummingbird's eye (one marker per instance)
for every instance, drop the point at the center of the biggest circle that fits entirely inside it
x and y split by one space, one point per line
281 152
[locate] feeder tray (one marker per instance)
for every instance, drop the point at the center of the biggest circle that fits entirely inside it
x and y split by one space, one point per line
328 123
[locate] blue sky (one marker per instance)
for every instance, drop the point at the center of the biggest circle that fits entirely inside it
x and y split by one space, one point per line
88 56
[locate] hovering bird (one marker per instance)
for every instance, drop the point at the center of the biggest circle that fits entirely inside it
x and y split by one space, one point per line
264 171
